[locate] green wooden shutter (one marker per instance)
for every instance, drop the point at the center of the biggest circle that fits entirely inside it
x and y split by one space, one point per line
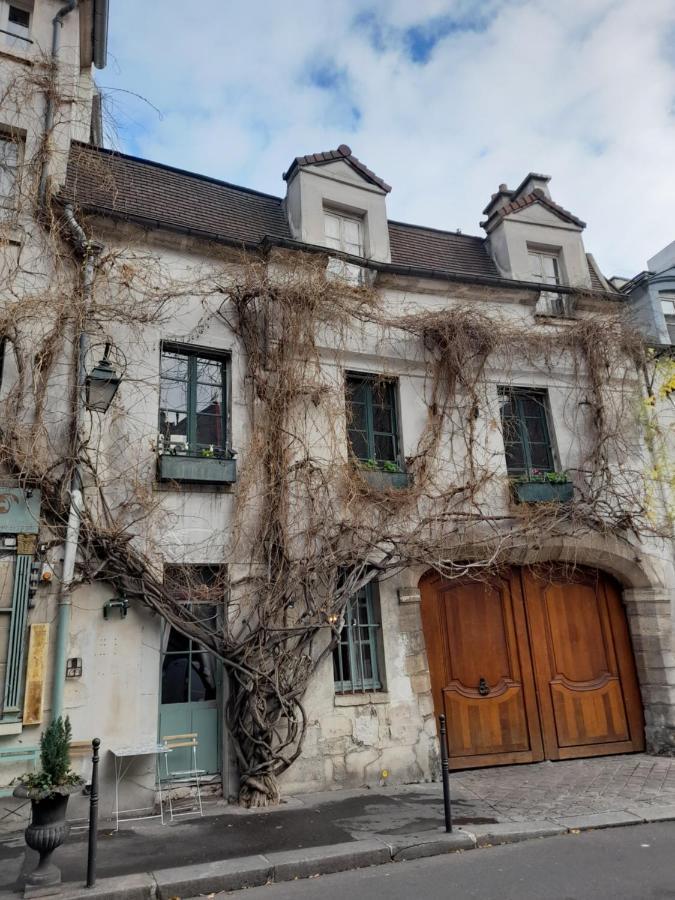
17 635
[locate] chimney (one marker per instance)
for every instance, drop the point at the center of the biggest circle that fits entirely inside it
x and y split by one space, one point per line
498 200
531 184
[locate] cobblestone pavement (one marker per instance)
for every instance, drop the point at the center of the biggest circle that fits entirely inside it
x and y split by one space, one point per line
577 787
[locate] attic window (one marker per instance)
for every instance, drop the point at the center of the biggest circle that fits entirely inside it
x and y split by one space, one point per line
15 21
19 16
343 233
545 266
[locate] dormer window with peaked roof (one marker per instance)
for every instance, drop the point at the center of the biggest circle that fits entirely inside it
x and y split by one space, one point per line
344 233
335 201
532 238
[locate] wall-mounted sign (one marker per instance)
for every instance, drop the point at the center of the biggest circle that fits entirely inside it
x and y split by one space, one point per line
19 510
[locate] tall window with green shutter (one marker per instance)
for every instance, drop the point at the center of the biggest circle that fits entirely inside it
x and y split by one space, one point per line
193 399
372 418
525 426
356 666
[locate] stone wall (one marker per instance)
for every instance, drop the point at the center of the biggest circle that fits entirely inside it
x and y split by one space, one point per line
386 737
651 627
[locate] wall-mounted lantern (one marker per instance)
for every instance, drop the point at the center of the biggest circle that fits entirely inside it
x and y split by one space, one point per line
120 603
101 384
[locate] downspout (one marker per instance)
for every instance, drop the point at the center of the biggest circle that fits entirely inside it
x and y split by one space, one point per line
89 252
57 24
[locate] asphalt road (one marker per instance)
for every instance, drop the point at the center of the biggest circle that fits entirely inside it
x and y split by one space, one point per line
633 863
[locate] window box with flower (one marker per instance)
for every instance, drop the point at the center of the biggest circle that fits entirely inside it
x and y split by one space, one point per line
543 487
178 461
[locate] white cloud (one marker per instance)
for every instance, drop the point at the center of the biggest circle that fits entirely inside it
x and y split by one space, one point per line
583 90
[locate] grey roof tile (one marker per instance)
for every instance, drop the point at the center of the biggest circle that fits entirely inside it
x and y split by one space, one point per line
445 251
129 187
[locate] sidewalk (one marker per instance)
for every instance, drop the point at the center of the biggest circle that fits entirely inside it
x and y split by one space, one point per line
231 848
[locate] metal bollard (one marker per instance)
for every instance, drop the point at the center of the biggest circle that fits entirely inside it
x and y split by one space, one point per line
93 815
445 775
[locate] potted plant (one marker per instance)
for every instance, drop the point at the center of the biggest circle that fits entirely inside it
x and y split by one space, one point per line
383 475
49 790
543 487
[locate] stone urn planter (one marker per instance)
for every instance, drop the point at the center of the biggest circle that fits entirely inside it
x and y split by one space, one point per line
48 829
48 791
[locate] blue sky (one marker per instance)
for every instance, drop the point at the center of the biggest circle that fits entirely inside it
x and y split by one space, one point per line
444 99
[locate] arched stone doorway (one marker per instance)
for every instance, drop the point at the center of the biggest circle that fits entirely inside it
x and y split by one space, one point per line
533 663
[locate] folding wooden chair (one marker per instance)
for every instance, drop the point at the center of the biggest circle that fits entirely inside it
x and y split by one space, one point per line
188 742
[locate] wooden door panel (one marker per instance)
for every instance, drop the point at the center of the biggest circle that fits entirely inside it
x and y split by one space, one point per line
578 632
479 635
481 672
591 715
477 727
580 682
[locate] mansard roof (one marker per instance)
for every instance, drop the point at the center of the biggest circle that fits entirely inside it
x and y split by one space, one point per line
124 187
121 186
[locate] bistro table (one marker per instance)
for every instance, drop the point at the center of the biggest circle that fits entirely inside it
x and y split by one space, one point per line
123 757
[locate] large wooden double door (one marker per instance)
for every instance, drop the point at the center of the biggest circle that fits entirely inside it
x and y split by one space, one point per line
531 665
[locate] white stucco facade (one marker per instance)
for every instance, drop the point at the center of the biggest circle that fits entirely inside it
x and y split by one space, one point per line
352 739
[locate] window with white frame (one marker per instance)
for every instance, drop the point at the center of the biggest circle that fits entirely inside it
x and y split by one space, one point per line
9 175
15 21
545 266
668 308
344 233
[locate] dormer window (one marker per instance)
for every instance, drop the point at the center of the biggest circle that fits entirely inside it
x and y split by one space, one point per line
344 233
545 266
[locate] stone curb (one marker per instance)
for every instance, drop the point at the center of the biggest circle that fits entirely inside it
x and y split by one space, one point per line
600 820
417 846
513 832
210 878
290 864
253 871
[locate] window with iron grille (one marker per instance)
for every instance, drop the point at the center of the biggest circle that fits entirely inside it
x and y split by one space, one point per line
527 441
372 418
356 666
9 176
193 399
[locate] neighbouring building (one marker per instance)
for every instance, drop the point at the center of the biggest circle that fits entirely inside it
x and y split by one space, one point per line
652 296
561 648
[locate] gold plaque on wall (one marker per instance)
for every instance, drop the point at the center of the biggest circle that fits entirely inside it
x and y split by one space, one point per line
38 644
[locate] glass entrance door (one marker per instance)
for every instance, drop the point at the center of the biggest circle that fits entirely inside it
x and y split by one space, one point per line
189 701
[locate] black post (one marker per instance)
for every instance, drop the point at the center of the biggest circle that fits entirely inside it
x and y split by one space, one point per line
445 775
93 815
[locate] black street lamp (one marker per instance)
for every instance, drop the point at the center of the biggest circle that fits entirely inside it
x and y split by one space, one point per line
101 384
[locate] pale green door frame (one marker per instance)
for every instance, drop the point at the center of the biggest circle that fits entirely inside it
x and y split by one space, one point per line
190 701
